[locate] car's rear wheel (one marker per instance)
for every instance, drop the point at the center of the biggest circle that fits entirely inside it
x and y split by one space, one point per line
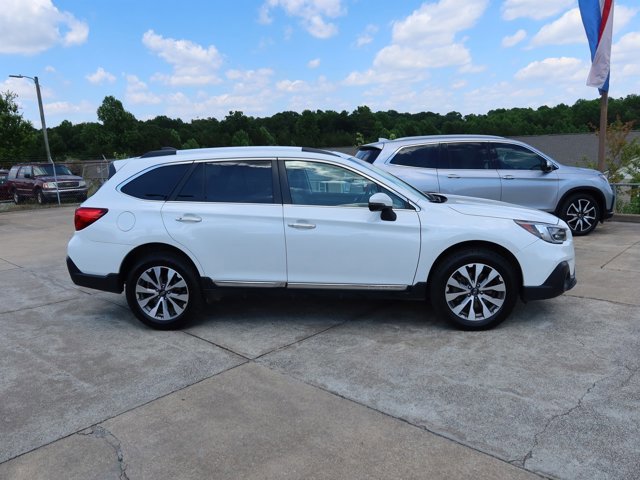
163 291
581 212
474 289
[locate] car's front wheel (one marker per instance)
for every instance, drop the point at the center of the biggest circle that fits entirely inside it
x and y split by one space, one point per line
163 291
16 197
40 198
475 289
581 212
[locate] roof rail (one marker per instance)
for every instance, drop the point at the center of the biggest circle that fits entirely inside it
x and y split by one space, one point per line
318 150
160 153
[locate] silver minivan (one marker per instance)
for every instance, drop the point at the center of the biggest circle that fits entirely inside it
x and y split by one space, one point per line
497 168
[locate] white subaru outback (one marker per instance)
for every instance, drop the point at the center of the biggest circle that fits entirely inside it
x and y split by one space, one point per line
172 228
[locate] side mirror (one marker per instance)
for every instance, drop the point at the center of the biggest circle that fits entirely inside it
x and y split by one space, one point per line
381 202
547 166
27 175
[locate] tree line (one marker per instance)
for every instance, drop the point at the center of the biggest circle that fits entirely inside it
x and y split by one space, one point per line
118 134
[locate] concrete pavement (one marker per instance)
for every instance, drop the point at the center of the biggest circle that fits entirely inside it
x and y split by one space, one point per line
315 388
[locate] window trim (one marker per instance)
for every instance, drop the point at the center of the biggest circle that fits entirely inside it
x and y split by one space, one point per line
286 193
438 145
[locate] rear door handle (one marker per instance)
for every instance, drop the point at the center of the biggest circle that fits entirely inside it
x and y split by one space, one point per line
302 226
189 218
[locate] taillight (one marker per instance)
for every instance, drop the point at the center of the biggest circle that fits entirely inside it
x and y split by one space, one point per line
85 216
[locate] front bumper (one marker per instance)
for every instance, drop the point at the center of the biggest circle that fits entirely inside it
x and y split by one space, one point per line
79 193
556 284
106 283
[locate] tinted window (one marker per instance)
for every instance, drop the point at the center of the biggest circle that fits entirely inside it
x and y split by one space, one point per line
230 182
368 154
467 155
516 157
423 156
312 183
156 184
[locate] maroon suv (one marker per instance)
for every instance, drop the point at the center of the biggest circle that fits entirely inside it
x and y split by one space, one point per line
39 181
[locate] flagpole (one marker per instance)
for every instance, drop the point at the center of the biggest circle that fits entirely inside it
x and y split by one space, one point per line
602 137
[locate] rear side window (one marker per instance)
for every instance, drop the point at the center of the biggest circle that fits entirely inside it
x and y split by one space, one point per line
467 156
422 156
230 182
368 154
156 184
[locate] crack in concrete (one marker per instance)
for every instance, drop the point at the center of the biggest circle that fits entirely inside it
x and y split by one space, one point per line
536 439
113 441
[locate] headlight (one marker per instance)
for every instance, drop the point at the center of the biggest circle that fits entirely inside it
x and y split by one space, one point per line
545 231
49 185
82 183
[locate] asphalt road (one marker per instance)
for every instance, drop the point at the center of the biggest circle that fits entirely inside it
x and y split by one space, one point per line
303 387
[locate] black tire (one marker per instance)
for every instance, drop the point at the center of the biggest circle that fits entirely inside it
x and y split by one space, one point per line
40 198
163 291
581 212
474 289
16 198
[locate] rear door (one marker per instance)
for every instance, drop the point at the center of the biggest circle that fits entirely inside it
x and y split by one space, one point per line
229 215
467 169
417 165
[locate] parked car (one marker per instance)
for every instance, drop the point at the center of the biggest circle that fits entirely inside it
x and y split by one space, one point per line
39 181
4 188
500 169
172 225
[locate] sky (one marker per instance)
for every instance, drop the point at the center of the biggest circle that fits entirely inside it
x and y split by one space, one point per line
204 58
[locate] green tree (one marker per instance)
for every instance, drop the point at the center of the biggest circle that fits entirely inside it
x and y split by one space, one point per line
16 133
240 139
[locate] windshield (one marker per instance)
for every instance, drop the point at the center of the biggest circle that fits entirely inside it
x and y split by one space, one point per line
47 170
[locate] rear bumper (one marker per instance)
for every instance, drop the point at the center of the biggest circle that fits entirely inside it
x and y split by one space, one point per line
106 283
556 284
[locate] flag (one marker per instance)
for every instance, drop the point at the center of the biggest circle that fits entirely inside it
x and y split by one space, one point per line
597 18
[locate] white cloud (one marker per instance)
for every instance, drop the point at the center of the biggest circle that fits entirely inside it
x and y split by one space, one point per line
424 40
624 56
192 64
290 86
313 14
315 63
568 29
138 92
67 108
512 40
563 70
100 76
49 69
366 37
32 26
250 81
536 9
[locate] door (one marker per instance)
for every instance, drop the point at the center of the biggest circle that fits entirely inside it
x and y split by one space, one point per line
229 216
333 239
523 178
467 169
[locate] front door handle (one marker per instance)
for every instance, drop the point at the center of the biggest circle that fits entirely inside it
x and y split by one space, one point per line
508 177
453 175
189 218
302 226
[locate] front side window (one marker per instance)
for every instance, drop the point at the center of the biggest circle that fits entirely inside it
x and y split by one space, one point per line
467 156
24 172
516 157
229 182
422 156
314 183
156 184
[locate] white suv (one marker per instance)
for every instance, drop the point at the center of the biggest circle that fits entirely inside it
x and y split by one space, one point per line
172 227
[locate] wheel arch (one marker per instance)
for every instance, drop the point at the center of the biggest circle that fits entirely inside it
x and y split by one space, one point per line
594 192
493 247
152 248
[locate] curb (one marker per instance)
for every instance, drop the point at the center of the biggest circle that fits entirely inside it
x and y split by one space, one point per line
625 217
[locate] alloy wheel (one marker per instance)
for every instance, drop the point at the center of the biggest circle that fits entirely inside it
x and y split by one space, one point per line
581 215
475 291
162 293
